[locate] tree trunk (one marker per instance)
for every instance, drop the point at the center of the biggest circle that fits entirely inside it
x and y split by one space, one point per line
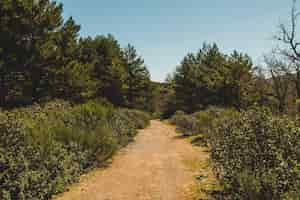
3 90
297 83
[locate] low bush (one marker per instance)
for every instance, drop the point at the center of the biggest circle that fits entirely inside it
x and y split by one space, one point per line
187 125
138 118
44 148
200 123
125 122
255 154
176 117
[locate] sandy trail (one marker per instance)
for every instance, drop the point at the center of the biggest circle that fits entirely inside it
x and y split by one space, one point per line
154 167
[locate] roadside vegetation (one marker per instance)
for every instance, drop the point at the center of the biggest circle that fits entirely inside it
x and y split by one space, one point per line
67 102
247 116
255 154
45 148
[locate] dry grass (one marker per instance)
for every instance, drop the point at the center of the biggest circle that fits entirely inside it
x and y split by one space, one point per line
205 181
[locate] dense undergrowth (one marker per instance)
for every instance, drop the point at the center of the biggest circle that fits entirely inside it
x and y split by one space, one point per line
255 154
44 148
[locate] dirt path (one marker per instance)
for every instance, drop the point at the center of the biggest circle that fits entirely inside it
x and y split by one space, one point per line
157 166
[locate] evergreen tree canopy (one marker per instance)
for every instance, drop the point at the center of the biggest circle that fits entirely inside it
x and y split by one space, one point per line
137 80
210 77
42 57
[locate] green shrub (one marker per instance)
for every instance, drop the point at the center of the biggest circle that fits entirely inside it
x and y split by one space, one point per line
44 148
187 125
201 122
176 117
138 118
257 155
157 115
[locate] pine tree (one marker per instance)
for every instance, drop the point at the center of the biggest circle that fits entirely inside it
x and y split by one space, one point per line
138 87
27 38
105 56
210 77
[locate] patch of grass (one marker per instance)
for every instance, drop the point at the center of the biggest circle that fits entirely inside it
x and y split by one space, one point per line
199 140
206 185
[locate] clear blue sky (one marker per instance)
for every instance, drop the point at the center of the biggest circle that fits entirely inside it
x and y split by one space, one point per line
163 31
